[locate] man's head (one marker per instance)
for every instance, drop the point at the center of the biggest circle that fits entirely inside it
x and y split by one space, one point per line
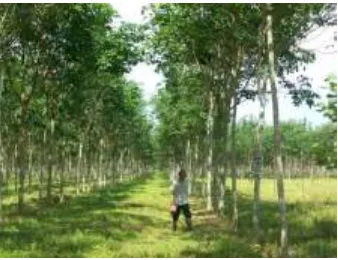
181 175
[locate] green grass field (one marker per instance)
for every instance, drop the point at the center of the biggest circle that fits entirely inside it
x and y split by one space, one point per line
132 220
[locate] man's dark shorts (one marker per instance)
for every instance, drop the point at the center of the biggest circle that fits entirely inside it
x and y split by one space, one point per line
186 212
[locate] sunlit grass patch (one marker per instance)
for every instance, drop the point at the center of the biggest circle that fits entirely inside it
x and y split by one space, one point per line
132 220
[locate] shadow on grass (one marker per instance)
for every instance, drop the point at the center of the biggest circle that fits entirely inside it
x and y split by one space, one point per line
73 229
311 233
307 224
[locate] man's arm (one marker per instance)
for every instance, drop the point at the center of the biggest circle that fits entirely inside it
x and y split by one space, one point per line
173 192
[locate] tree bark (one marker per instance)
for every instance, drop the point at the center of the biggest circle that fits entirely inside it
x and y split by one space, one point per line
30 158
50 160
100 179
79 159
258 162
233 167
196 166
15 167
188 165
83 173
210 126
22 157
42 164
277 135
2 75
220 158
62 170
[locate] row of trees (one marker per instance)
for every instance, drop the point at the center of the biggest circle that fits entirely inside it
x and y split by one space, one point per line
306 151
213 57
69 118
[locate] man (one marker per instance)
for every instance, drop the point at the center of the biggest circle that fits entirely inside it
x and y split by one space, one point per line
180 200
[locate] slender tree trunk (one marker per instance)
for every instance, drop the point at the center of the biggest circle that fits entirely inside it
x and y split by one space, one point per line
105 169
219 153
2 75
23 154
7 165
188 165
223 161
110 168
201 173
22 148
42 164
70 165
301 163
83 173
15 167
63 169
30 159
115 169
1 183
258 162
233 166
100 164
210 126
90 181
277 135
195 165
173 170
222 188
50 160
79 159
204 178
120 165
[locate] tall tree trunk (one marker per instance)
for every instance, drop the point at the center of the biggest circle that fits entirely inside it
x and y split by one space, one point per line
233 166
110 168
50 160
70 165
42 164
195 167
22 157
100 179
1 183
223 160
120 165
188 164
258 162
89 169
219 152
6 163
2 75
63 169
210 127
173 170
83 173
277 135
15 167
30 159
115 168
79 159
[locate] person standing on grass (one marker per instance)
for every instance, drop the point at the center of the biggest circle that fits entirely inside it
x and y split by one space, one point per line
180 200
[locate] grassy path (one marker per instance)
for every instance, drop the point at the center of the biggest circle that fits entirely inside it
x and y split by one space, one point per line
131 220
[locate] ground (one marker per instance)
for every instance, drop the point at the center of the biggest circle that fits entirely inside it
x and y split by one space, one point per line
132 220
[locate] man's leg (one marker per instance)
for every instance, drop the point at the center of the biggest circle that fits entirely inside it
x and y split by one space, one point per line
187 215
175 216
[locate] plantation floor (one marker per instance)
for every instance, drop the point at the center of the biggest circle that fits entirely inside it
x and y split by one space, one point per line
132 220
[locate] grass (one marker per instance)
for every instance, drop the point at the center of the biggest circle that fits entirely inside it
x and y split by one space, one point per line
311 214
132 220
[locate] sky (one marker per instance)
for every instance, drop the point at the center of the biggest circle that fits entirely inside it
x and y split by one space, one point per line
326 63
